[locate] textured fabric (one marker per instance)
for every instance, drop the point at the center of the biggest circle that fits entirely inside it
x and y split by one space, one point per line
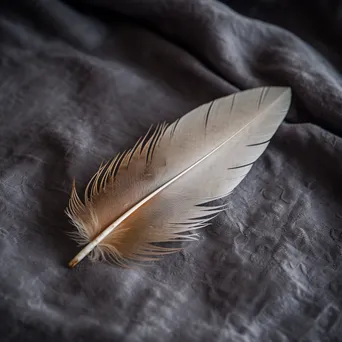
81 81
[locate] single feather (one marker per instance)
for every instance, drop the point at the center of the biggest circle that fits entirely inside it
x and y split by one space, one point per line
155 192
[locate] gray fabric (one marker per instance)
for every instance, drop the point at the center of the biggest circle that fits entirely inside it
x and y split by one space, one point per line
81 81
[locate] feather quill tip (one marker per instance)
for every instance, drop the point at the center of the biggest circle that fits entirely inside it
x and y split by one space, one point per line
73 262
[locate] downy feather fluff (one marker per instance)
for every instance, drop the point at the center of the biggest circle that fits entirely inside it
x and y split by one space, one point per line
153 193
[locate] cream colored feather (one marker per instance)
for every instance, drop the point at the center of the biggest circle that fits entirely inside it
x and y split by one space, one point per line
153 193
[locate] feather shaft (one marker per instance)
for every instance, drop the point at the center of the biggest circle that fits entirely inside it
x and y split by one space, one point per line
128 208
87 249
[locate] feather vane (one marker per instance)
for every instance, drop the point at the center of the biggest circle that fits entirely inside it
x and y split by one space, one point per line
155 192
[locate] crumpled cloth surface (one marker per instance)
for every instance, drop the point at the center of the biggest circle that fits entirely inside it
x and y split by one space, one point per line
81 81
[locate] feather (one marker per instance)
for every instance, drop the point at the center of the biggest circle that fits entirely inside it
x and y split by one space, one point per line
159 191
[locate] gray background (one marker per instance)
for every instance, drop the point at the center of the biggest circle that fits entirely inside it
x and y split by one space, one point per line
82 80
